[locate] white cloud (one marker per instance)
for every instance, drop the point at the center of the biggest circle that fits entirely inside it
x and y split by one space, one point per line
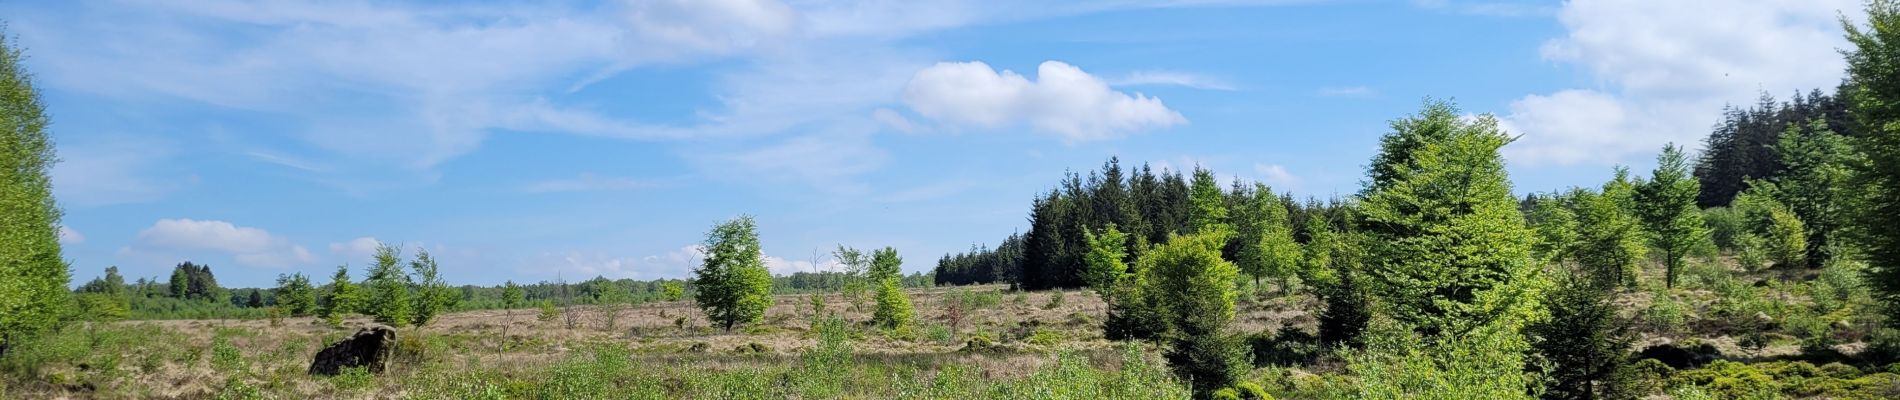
782 266
1277 176
69 236
248 246
1347 91
1667 68
587 182
1063 100
356 249
1172 78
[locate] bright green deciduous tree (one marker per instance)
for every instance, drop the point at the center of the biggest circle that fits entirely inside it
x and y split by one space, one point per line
388 299
1667 204
1486 362
1194 290
33 275
1266 247
1556 225
1448 248
1610 240
1105 260
672 290
733 286
296 295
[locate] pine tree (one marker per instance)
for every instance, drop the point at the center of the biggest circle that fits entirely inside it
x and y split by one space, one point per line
388 300
733 286
1667 204
1449 250
33 274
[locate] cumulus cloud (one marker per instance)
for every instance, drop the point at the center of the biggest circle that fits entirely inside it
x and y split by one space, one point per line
1063 100
1667 68
248 246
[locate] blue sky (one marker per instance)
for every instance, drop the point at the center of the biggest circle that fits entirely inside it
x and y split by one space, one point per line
574 139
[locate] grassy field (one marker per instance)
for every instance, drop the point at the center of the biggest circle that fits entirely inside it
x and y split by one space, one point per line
1019 345
1036 345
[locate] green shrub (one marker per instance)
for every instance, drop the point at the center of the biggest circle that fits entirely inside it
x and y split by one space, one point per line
548 312
1044 337
893 306
1728 380
1665 314
352 379
1055 300
1225 394
1485 363
225 357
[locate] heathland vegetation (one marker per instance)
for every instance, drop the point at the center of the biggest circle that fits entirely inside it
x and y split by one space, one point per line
1767 266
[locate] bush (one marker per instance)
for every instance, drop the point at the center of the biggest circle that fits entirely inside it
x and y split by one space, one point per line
1291 346
548 312
1055 300
1485 363
893 306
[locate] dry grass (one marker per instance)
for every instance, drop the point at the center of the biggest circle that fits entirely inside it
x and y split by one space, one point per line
275 357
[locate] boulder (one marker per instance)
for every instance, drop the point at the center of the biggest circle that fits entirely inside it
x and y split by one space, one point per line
1681 357
369 348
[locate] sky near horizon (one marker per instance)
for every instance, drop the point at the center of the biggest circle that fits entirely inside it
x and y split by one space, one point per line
603 138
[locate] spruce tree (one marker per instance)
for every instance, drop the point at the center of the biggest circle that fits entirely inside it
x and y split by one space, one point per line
33 274
1194 291
1873 86
1584 341
295 294
432 294
1448 248
343 297
388 299
733 286
1667 204
1208 212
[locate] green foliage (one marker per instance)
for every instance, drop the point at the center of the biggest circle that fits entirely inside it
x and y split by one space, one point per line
1484 363
1610 242
33 291
1787 238
1334 262
195 282
1449 250
1055 300
295 294
1667 205
1264 237
1557 229
733 286
388 300
1193 288
893 306
885 264
432 294
1815 182
673 290
549 313
102 307
511 296
1873 87
342 298
1584 342
1208 208
1726 226
1105 260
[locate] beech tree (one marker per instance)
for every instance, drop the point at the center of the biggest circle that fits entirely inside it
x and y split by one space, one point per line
1264 237
733 286
33 274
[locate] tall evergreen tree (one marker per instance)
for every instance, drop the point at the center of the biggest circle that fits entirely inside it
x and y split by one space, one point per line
1584 341
33 288
1667 204
1874 91
733 286
1814 182
342 298
387 288
1264 237
295 294
1449 248
1209 206
1194 289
